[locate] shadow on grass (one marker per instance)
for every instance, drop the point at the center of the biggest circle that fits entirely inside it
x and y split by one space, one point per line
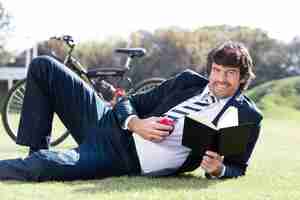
184 182
127 184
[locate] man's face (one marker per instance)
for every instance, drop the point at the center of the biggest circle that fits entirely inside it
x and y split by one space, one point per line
224 81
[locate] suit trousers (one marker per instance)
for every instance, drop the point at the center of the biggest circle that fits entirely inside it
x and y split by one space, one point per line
104 149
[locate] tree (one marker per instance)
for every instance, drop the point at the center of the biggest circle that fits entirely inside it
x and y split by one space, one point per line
4 28
173 49
293 52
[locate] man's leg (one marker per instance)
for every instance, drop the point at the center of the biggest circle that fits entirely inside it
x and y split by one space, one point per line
103 151
100 155
50 88
45 165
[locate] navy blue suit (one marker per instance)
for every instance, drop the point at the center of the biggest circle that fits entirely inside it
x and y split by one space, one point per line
178 89
104 148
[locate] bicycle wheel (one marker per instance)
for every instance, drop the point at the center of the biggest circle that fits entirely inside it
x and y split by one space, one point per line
11 114
147 85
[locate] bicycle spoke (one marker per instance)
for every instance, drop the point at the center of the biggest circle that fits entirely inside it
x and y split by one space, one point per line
12 115
15 104
19 94
16 107
22 89
17 99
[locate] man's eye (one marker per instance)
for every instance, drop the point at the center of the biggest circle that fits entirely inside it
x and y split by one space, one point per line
231 73
216 70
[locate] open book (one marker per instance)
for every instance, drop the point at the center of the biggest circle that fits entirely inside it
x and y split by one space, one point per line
201 135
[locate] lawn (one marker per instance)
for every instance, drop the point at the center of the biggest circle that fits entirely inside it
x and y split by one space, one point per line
273 174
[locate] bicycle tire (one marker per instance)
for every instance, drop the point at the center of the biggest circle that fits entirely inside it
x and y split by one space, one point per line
12 105
147 85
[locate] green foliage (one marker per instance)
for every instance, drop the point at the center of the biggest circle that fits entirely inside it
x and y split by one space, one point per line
4 21
100 53
173 49
278 99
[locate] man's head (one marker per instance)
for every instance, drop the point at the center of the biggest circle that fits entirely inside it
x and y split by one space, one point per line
230 68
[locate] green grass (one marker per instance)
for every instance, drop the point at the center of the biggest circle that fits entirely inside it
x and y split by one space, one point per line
278 99
273 172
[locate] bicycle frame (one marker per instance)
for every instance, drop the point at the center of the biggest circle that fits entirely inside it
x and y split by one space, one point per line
93 76
73 63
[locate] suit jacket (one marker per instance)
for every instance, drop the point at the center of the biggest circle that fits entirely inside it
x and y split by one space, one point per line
176 90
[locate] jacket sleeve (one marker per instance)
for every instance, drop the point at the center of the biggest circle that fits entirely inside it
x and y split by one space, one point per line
237 165
143 103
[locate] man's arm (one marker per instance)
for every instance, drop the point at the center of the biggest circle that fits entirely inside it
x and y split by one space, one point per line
140 104
237 165
144 103
149 128
234 165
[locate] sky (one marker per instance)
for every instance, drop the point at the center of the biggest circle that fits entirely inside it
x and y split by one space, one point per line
37 20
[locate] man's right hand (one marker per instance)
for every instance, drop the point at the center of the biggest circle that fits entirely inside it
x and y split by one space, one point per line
150 128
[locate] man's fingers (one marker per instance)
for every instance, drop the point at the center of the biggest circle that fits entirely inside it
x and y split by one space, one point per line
155 138
211 154
160 133
207 159
154 131
154 119
164 127
205 166
214 155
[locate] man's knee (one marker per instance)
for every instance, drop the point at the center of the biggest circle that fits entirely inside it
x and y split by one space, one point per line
40 65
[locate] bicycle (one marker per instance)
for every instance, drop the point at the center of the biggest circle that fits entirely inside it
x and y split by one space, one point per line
96 77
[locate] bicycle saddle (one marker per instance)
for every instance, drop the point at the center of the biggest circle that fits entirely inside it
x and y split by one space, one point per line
132 52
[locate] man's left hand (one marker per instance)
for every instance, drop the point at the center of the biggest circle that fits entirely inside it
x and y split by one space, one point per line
212 163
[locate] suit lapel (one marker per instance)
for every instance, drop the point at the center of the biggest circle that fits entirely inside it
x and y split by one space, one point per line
233 101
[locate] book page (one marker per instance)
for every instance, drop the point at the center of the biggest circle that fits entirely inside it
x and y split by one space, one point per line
202 120
229 118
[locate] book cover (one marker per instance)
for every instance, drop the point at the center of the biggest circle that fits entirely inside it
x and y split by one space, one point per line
201 135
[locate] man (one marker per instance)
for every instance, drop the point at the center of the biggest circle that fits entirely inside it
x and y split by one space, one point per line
128 139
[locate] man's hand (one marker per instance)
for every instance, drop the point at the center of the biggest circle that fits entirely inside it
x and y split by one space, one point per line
212 163
150 128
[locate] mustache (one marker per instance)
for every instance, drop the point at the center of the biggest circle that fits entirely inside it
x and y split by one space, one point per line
221 83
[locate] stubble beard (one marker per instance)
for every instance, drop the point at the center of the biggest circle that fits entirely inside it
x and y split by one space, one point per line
219 90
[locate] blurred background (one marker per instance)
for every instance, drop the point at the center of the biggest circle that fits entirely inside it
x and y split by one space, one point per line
176 34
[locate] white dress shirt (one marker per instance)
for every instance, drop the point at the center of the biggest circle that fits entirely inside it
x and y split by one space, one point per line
170 153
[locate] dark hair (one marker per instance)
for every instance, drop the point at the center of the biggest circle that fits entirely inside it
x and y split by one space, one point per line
233 54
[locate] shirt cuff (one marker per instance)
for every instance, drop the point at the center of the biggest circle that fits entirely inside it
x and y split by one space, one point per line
125 125
222 172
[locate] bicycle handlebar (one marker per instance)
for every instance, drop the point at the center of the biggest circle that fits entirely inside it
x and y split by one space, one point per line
132 52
